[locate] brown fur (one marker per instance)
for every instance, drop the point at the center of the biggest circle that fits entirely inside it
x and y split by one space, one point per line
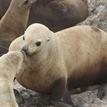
59 14
76 55
13 23
56 14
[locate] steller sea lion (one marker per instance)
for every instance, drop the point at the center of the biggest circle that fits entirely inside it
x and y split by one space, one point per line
14 22
56 14
10 63
57 62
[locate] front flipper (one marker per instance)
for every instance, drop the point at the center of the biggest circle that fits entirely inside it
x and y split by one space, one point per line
102 91
60 95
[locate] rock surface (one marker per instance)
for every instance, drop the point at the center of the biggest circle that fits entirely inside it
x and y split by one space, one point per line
27 98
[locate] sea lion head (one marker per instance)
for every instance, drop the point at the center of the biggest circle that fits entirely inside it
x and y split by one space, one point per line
11 63
35 38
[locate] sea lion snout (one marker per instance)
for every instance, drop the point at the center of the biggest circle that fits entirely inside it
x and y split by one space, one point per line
25 50
28 51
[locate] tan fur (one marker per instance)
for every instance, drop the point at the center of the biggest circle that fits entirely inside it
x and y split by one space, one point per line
77 54
10 63
13 23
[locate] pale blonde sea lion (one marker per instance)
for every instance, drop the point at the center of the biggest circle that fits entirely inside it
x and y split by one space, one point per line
10 63
56 62
56 14
14 22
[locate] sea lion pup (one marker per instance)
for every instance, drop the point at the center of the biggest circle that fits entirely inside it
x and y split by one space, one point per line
14 22
57 62
56 14
10 63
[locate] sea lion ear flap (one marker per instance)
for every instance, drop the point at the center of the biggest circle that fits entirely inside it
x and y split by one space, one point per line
50 36
48 39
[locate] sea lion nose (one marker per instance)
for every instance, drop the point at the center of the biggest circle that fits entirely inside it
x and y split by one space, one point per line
25 49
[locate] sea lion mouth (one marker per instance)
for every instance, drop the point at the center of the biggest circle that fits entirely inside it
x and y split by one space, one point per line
24 54
24 50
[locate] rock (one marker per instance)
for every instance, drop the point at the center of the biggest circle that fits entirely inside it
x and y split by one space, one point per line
97 14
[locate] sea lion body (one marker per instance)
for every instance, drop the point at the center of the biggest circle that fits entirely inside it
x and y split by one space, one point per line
84 52
10 63
14 22
56 14
74 57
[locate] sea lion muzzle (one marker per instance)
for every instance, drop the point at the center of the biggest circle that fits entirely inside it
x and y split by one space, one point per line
25 50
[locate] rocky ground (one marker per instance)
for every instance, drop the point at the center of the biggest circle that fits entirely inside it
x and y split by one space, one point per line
97 17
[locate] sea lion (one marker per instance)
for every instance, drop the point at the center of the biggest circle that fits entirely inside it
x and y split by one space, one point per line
4 4
56 14
10 63
57 62
14 22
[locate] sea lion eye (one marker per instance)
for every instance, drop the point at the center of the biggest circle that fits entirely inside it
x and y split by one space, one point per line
38 43
23 38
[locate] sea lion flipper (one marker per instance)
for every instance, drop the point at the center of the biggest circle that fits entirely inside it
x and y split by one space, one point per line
102 91
67 98
59 90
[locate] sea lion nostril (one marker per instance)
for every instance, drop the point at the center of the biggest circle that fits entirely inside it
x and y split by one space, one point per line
25 49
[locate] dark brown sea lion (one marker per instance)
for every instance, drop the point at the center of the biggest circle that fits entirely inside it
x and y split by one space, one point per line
56 14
